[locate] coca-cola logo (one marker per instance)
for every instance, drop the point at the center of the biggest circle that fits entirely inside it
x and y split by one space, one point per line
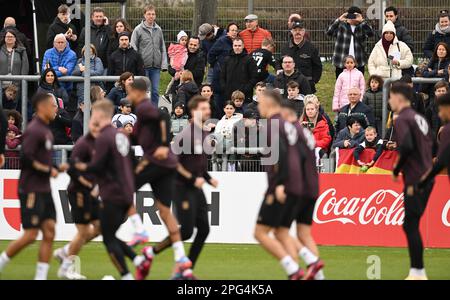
446 214
383 207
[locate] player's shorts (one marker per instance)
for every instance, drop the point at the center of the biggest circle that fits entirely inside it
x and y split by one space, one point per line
415 199
84 207
162 181
305 211
35 208
190 202
274 213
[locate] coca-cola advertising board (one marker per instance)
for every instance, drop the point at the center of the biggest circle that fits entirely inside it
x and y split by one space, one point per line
364 210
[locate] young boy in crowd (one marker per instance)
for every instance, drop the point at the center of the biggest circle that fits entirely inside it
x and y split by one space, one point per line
179 119
128 127
294 95
263 58
13 140
238 97
9 100
253 106
125 113
371 141
373 97
14 118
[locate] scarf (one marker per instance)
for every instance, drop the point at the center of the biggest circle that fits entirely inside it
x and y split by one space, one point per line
386 45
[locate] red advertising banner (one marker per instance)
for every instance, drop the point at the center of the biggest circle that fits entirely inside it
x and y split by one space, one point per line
367 210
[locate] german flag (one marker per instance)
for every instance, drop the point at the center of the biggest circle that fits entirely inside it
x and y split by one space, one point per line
346 163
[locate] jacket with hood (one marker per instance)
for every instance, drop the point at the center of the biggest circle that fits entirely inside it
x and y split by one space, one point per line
55 89
239 72
216 56
125 60
282 80
321 132
149 43
344 134
58 27
67 59
374 99
361 112
96 70
19 64
100 36
435 37
379 64
307 60
345 81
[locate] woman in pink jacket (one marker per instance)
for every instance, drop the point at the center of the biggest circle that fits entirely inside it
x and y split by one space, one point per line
349 78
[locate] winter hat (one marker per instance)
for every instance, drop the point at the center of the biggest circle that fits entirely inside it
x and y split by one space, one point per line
179 104
125 33
13 128
389 26
180 35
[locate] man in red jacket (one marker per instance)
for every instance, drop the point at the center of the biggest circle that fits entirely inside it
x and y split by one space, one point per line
254 35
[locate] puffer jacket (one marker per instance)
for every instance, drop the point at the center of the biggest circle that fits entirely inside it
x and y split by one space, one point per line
321 133
149 43
378 60
346 80
253 39
375 101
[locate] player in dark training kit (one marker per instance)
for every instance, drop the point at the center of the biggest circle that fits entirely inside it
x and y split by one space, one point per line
190 201
37 209
443 155
83 198
158 168
306 246
413 136
279 207
113 168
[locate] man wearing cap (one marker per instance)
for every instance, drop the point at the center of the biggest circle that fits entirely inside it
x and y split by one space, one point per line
351 32
208 35
125 58
253 35
305 54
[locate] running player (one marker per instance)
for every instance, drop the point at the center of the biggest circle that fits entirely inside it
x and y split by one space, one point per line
190 201
82 193
158 168
307 247
280 201
37 209
112 166
414 140
443 155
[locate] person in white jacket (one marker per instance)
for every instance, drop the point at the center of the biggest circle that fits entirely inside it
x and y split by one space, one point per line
390 56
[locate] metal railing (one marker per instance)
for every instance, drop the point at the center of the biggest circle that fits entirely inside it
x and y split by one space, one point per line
386 90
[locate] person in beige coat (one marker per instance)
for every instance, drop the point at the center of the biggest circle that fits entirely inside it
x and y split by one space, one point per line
390 56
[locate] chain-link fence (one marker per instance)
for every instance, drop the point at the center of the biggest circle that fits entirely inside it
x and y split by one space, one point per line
419 16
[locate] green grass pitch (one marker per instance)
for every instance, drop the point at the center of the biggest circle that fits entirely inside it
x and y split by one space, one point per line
232 261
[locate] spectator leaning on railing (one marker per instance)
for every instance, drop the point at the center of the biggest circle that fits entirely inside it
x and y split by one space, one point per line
350 136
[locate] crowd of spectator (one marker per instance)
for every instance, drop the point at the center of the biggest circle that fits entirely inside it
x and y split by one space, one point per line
231 67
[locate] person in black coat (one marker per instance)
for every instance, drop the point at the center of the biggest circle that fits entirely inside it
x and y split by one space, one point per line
239 72
125 58
357 110
291 74
120 25
187 89
59 126
100 35
62 24
77 124
49 84
305 54
195 63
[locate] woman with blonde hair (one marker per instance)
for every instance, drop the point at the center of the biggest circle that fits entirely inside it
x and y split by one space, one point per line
313 120
96 70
